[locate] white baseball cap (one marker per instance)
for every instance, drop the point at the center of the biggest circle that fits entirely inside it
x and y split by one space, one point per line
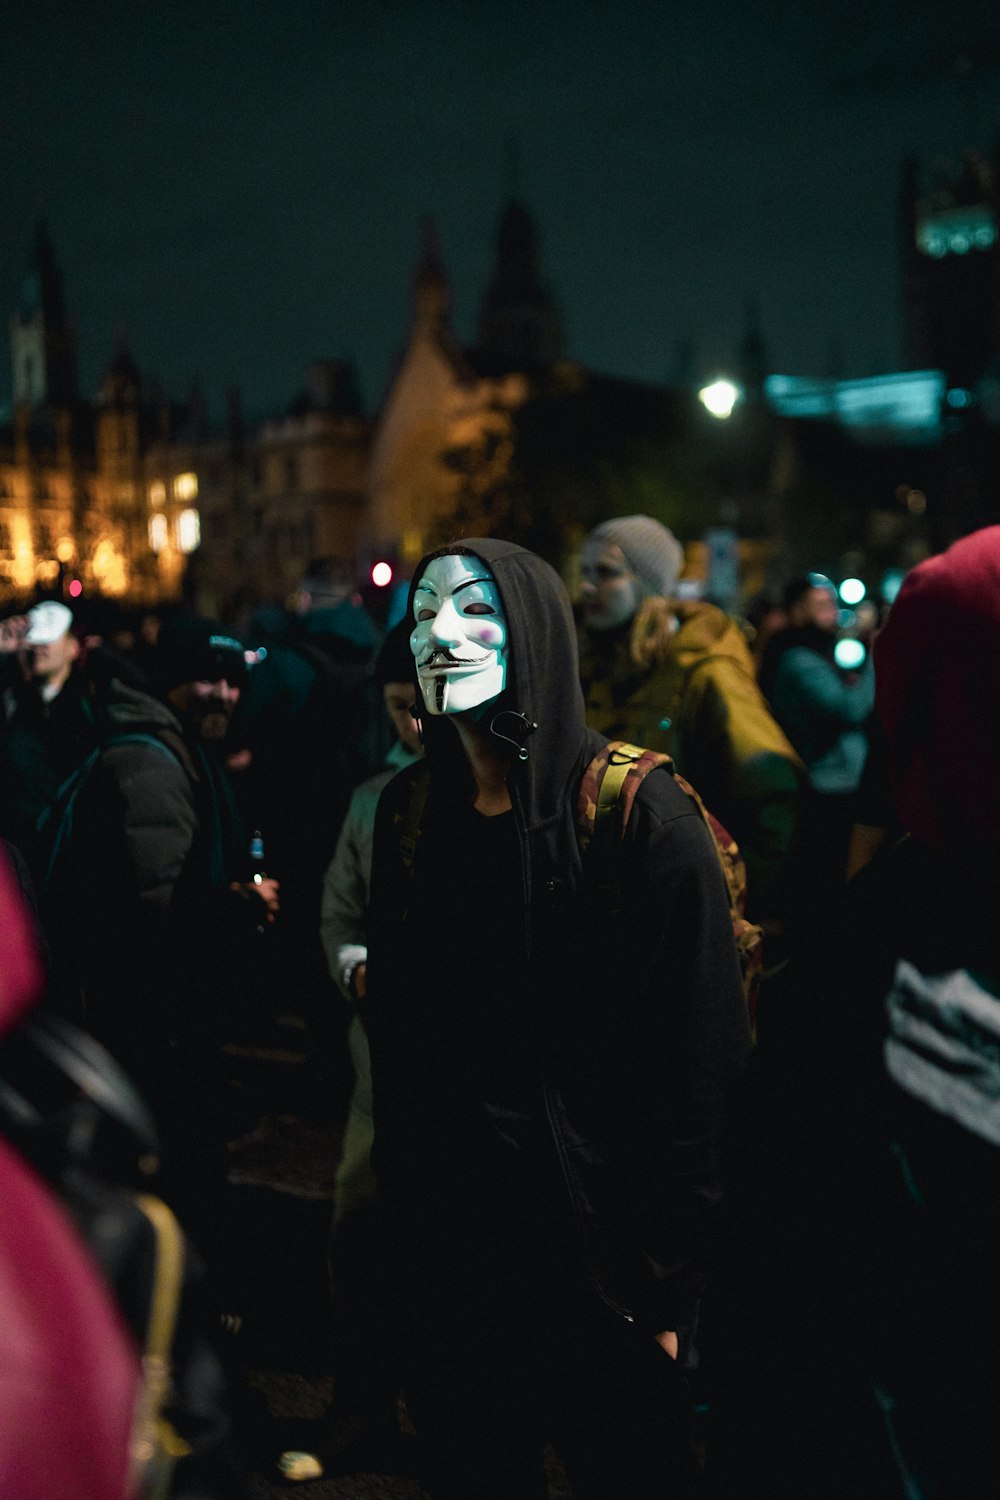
48 623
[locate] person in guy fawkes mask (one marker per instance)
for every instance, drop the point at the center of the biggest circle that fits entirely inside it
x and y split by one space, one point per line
549 1077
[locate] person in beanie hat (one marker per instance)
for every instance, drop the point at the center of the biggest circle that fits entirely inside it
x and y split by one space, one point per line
677 676
155 929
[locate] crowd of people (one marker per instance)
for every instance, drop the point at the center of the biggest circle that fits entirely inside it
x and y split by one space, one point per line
575 1205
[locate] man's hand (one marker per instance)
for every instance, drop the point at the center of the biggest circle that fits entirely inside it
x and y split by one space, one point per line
668 1341
267 890
12 633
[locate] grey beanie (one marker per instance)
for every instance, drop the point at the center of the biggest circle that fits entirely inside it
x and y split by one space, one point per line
650 549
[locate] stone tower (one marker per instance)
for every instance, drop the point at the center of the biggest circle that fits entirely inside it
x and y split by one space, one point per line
518 322
43 344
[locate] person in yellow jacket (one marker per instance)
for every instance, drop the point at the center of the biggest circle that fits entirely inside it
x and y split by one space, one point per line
678 676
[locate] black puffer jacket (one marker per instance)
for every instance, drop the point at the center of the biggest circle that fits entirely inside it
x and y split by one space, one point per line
635 1023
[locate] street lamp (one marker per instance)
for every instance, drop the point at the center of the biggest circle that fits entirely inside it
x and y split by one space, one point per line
719 398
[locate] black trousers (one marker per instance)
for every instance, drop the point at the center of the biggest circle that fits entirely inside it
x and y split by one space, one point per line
511 1362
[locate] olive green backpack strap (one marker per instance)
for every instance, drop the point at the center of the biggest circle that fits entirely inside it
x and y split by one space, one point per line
155 1445
413 817
605 800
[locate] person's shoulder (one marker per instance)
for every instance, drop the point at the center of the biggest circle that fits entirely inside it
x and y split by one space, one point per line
663 799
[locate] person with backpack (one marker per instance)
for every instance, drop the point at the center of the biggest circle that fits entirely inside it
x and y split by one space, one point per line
550 1068
677 676
155 930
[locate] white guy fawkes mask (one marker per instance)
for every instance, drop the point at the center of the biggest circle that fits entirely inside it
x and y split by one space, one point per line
460 636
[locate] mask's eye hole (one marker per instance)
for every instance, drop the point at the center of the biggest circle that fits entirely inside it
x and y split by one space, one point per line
479 607
425 614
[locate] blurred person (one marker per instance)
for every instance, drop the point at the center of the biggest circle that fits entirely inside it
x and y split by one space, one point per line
823 709
70 1373
47 716
155 935
677 676
364 1390
549 1076
864 1331
315 728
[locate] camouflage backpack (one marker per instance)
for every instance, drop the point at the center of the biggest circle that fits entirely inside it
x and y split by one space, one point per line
605 800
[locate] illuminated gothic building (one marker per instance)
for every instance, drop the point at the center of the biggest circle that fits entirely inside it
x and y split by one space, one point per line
506 436
129 495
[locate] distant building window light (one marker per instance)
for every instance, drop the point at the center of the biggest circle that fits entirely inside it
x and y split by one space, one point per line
157 492
188 530
186 487
957 231
157 532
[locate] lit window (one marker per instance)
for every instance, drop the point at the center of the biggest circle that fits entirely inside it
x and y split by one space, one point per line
157 492
186 486
188 530
158 532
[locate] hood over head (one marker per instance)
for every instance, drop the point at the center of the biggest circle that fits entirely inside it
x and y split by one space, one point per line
937 692
541 707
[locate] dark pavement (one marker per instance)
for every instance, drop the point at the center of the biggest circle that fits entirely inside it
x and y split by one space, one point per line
288 1091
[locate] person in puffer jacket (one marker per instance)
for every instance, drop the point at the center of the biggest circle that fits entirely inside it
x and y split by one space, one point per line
677 676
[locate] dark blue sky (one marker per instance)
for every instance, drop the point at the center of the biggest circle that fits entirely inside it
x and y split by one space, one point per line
241 184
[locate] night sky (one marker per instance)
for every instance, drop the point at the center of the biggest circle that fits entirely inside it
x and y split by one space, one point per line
240 185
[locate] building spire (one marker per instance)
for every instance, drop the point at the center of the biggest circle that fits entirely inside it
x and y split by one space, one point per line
43 343
431 287
518 321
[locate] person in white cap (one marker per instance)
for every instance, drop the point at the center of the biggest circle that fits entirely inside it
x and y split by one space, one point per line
53 648
46 713
677 676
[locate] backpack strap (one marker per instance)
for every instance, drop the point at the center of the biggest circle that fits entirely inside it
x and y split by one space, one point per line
607 793
155 1444
55 822
413 817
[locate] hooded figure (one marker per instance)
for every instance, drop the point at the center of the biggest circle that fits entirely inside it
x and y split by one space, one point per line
549 1075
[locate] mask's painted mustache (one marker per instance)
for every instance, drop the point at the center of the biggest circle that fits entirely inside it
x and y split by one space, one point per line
443 658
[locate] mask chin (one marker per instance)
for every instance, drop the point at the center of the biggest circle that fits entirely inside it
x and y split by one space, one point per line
459 695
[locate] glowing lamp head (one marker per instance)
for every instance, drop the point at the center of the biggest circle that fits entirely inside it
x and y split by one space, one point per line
382 575
719 398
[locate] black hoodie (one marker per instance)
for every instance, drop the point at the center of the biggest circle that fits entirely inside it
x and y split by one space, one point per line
586 1067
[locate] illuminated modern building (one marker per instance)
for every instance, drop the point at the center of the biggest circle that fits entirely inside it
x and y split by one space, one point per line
951 271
